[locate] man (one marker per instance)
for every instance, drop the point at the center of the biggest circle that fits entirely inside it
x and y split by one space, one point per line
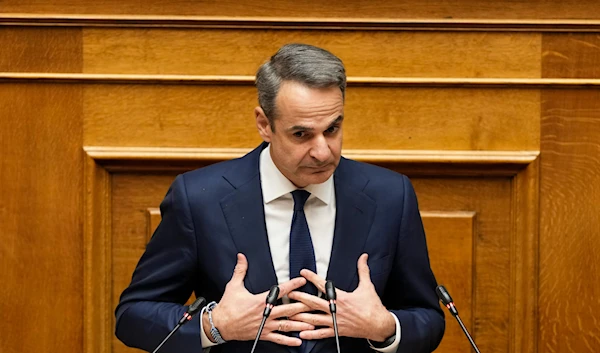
291 212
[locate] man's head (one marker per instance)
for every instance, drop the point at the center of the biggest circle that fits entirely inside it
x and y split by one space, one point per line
301 95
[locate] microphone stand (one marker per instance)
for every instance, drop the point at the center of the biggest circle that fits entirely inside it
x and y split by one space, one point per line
331 297
446 299
270 302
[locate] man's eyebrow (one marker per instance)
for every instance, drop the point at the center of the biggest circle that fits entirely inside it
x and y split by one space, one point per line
337 120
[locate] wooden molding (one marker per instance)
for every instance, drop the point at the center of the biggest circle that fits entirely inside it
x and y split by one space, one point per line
97 308
523 296
414 162
422 82
73 20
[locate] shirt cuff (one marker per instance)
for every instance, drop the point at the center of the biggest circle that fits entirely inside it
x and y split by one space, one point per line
394 345
206 342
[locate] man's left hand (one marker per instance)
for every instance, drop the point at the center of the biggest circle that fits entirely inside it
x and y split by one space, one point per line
360 314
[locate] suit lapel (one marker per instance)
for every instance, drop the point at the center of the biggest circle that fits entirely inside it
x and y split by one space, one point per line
354 216
244 214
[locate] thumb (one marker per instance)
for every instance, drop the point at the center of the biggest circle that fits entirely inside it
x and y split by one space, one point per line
241 267
364 274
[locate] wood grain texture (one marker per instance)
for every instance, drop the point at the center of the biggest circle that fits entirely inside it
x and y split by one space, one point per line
376 118
561 25
570 222
490 198
543 9
39 49
356 81
153 218
571 55
97 250
451 244
375 53
569 200
525 260
41 252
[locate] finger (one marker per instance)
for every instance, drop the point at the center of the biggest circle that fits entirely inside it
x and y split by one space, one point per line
290 285
287 310
314 319
281 339
314 302
364 274
241 267
317 334
288 326
314 279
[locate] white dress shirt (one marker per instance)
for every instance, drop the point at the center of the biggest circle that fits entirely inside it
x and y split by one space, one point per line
319 209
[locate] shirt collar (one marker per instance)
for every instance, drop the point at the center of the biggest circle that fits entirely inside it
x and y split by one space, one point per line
275 184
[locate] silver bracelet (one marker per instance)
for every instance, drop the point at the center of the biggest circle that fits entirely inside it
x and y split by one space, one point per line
214 332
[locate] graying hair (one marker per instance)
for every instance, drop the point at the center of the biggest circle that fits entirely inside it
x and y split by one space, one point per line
303 63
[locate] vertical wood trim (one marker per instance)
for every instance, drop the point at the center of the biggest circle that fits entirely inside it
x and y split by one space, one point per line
524 260
97 259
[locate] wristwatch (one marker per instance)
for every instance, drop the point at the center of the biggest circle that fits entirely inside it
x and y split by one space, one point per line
214 332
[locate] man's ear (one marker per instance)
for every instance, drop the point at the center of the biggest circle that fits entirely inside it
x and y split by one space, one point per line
262 124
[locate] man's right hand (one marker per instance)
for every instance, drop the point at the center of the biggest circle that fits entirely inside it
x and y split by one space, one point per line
239 313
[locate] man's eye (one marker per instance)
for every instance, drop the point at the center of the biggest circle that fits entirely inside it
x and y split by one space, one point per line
332 129
299 134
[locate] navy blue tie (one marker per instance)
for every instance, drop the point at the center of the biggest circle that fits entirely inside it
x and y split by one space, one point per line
302 253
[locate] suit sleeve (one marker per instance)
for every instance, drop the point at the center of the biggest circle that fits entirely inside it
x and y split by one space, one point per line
412 297
162 282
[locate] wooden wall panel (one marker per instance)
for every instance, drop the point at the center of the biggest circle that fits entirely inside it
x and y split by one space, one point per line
40 49
490 199
153 218
451 243
571 55
381 54
570 199
570 222
41 253
523 9
376 117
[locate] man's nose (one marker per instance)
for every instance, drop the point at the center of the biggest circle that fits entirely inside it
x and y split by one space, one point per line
320 150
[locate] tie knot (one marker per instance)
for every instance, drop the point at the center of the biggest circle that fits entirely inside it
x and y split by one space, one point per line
300 197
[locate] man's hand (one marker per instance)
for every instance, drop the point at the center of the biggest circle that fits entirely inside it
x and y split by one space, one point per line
360 314
239 312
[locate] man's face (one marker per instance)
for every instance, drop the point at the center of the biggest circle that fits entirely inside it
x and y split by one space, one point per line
306 143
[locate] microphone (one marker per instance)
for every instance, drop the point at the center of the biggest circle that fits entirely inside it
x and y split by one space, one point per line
330 293
446 299
191 311
270 303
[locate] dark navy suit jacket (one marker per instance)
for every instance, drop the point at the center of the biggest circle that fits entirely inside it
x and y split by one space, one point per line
211 214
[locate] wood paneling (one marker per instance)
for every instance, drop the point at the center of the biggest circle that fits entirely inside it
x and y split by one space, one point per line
39 49
570 222
382 53
570 200
490 199
376 117
571 55
314 8
451 240
41 253
153 218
